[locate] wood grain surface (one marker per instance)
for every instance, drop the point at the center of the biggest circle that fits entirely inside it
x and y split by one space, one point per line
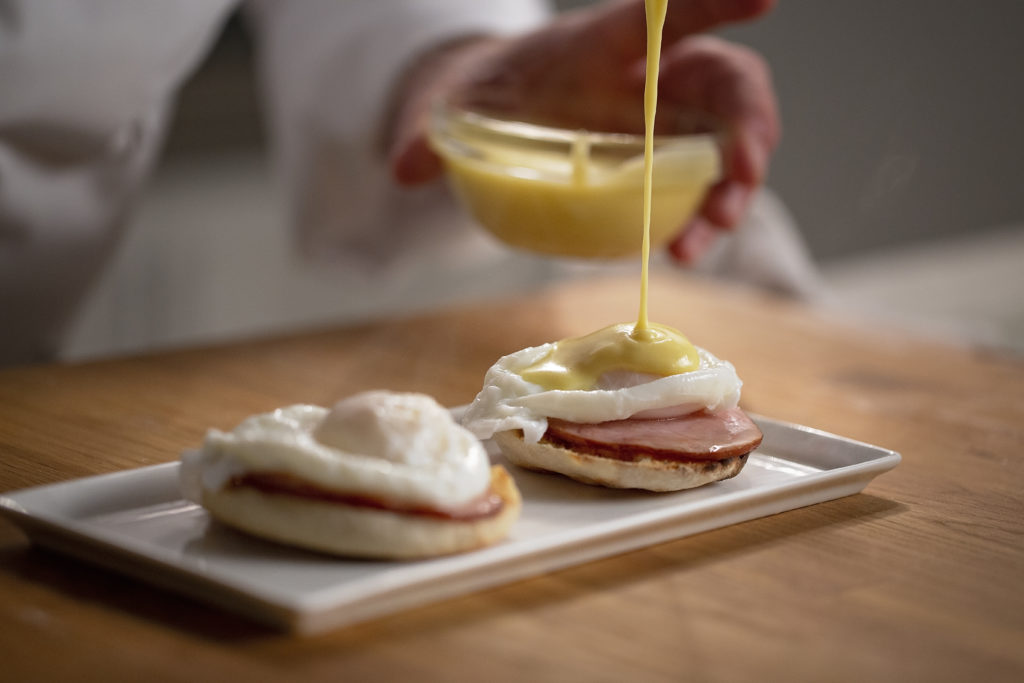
918 578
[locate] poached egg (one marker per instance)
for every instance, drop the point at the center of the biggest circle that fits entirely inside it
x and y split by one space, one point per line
615 373
402 447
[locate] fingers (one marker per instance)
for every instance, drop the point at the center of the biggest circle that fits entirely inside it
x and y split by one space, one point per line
696 16
724 207
623 28
726 203
733 86
413 162
690 245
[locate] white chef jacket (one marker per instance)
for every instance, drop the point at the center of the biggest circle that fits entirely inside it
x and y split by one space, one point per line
86 87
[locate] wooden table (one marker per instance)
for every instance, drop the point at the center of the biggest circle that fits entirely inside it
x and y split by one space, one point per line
919 578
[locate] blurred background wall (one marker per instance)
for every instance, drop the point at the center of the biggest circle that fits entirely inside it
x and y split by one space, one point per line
902 119
902 162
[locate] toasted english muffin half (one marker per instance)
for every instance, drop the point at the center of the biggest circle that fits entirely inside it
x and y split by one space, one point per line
359 530
644 472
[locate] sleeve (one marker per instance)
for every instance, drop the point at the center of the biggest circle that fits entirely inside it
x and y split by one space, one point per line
86 87
328 69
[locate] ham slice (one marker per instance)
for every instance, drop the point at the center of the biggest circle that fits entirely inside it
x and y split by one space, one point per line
488 504
705 436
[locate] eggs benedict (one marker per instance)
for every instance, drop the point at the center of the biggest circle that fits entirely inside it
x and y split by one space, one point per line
379 475
617 408
631 405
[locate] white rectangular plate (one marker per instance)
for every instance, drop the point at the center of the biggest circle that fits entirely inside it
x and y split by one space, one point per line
136 522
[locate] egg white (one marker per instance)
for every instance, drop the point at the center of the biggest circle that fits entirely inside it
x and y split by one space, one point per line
507 401
393 446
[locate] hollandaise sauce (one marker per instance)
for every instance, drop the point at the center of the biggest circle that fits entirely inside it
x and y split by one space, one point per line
643 347
578 364
575 193
655 10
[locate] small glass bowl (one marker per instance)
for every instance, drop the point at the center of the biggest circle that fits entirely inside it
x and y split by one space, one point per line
571 193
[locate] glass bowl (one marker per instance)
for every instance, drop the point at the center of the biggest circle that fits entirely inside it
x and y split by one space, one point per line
570 193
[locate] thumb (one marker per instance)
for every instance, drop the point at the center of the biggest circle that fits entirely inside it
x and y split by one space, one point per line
437 74
411 158
413 161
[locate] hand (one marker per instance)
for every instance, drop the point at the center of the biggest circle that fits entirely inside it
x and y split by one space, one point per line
586 70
